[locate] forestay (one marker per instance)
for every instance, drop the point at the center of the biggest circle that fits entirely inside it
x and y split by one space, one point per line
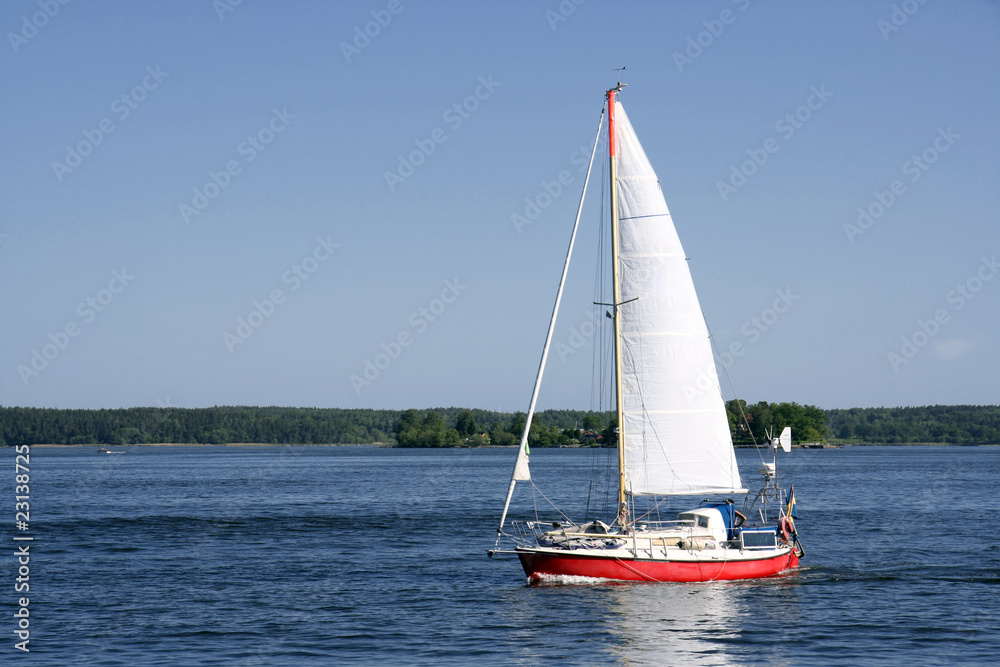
676 432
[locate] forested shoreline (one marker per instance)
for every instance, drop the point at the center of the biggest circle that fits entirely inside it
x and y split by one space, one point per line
454 427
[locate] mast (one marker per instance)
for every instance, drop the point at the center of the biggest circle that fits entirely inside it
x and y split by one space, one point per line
622 518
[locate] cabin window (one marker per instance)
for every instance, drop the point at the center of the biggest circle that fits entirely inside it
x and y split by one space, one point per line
703 522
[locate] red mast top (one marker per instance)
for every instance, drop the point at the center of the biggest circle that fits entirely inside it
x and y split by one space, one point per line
611 117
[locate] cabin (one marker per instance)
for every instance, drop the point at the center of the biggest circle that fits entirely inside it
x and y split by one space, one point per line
706 521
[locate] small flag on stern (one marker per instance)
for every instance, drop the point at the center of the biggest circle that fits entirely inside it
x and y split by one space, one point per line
792 510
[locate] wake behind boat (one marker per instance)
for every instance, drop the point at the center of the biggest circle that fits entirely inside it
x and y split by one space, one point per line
673 431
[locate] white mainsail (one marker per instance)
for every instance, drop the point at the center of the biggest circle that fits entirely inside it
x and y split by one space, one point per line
676 432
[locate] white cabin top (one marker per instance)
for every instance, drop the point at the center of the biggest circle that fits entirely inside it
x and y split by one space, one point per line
707 521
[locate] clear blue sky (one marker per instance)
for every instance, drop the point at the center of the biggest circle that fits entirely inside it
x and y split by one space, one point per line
122 287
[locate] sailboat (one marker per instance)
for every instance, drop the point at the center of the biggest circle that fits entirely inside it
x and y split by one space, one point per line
673 433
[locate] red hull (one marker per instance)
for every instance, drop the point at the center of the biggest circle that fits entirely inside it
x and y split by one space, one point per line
539 565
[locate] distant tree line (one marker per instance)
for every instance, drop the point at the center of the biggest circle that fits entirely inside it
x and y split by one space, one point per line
551 428
453 427
216 426
949 424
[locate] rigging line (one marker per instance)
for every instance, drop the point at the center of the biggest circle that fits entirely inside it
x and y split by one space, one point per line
597 482
599 360
605 259
641 574
534 498
521 462
598 369
506 562
559 511
654 508
722 566
610 481
732 386
603 350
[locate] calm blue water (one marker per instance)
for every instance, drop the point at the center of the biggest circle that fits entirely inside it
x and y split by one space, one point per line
341 555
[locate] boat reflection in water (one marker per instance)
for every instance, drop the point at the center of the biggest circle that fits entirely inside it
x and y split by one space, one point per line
675 624
706 623
702 624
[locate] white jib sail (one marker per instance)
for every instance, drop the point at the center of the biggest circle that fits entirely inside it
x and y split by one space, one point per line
677 439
